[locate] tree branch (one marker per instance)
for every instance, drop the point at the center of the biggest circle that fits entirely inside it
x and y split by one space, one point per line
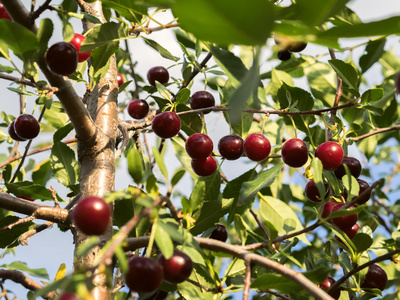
376 131
28 82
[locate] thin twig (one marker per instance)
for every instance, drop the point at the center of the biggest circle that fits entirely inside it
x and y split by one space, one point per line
133 73
23 239
260 224
148 30
247 279
28 82
35 14
376 131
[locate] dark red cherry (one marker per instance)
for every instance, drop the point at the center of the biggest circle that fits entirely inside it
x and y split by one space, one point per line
120 79
376 278
284 55
76 42
344 222
159 74
326 209
202 99
62 58
230 147
144 275
12 134
312 193
327 284
166 124
257 147
177 268
204 167
350 232
199 146
353 164
3 13
298 47
330 154
363 186
68 296
159 295
26 127
220 233
138 109
294 153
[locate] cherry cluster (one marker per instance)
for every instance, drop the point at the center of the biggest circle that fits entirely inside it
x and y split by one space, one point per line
3 13
287 47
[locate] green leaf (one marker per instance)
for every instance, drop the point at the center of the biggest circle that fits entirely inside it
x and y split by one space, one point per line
163 240
346 72
42 172
374 51
108 33
197 195
21 266
177 176
127 8
160 162
29 189
19 39
372 95
43 35
100 59
190 123
264 179
63 163
160 49
224 23
182 96
91 18
240 229
135 165
316 168
163 91
315 12
84 248
276 282
362 241
55 116
9 238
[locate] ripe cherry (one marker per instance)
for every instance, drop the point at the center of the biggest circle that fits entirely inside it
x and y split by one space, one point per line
257 147
145 275
350 232
76 42
326 209
204 167
230 147
138 109
312 192
92 215
294 153
26 127
3 13
220 233
376 278
120 79
62 58
352 163
327 284
363 186
159 295
202 99
177 268
68 296
330 154
166 124
199 146
344 222
159 74
298 47
284 55
12 134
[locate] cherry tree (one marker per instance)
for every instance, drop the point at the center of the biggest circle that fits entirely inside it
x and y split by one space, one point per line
308 218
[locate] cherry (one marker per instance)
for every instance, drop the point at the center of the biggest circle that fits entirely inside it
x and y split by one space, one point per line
298 47
294 153
92 215
145 275
177 268
330 154
257 147
138 109
220 233
159 295
205 166
166 124
12 133
397 83
3 13
327 284
199 146
352 163
26 127
376 278
76 42
120 79
344 222
202 99
312 193
62 58
284 55
26 198
363 186
350 232
68 296
231 147
326 209
159 74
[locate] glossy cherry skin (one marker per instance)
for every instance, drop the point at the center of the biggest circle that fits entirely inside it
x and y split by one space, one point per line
68 296
256 147
202 99
363 186
298 47
26 127
159 74
138 109
376 278
220 233
294 153
312 193
3 13
177 268
330 154
145 275
327 284
199 146
204 167
62 58
352 163
344 222
230 147
12 134
76 42
92 215
120 79
284 55
350 232
166 124
326 209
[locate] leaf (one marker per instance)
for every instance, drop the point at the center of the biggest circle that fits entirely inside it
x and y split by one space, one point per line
182 96
362 241
63 163
190 123
21 266
227 16
160 49
160 162
135 164
177 176
9 238
163 240
240 229
163 91
91 18
19 39
277 282
127 8
61 272
315 12
29 189
43 35
346 72
374 51
264 179
108 33
42 172
100 59
372 95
